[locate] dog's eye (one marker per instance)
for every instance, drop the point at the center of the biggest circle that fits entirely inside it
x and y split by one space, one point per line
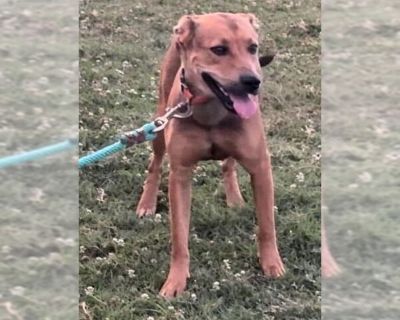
253 48
220 50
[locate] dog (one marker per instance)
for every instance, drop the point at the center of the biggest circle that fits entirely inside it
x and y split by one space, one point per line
328 263
213 62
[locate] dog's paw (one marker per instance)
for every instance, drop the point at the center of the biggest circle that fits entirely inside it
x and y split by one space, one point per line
143 210
174 285
329 266
271 264
234 201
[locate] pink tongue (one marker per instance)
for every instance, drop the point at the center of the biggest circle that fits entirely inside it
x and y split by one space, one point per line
244 106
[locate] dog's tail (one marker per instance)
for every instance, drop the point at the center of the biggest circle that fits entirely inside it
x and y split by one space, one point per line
169 67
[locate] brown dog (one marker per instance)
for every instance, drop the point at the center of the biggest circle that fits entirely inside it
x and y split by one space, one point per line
328 263
213 59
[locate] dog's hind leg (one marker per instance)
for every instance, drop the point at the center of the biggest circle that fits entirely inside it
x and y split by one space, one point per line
232 191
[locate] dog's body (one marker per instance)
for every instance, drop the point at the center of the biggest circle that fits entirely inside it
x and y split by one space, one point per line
218 53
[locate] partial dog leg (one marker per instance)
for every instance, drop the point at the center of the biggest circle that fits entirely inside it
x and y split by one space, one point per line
263 191
329 265
232 191
180 200
148 200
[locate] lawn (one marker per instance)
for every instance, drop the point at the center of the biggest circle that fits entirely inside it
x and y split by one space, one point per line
361 153
123 260
38 201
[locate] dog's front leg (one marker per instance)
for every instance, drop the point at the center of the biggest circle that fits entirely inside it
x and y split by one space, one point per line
263 191
179 201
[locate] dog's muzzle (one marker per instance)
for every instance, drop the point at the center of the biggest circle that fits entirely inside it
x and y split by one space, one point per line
250 83
239 98
219 91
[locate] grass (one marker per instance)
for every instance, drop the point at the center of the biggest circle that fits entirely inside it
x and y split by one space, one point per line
123 260
38 201
361 158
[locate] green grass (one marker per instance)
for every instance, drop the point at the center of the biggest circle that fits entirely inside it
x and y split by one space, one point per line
361 158
121 46
38 201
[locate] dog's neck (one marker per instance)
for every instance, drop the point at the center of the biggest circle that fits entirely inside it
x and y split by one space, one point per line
210 113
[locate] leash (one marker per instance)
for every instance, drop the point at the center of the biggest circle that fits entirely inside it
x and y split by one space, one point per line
146 133
37 153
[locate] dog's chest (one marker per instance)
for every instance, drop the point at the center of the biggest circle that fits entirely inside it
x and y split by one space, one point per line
222 144
210 114
216 152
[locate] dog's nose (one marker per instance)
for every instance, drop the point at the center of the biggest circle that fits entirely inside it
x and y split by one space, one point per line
250 83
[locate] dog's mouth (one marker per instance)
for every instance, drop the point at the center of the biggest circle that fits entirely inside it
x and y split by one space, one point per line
235 101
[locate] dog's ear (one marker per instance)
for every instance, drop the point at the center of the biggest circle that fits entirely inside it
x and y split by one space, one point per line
266 59
253 20
184 30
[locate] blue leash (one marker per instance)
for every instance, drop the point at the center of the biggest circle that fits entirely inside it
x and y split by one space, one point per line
37 153
146 133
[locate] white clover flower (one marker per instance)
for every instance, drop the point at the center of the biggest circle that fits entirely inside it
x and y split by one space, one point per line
126 64
101 194
18 291
300 177
89 291
316 156
131 273
157 218
150 318
216 286
293 186
171 308
104 80
153 261
227 264
119 242
145 296
196 238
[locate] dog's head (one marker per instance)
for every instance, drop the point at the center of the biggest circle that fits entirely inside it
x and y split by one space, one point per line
219 52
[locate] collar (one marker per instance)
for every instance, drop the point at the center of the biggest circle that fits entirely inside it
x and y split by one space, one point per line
188 95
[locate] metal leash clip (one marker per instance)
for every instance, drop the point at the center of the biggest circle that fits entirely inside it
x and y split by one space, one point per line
181 111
